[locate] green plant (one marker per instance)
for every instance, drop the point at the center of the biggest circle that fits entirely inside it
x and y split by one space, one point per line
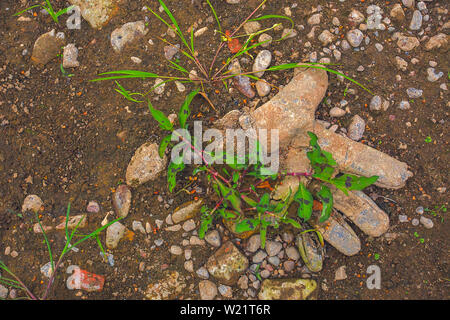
47 6
207 75
15 281
436 211
238 182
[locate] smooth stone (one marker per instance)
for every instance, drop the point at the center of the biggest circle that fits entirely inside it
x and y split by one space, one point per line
187 211
46 48
427 223
122 200
213 238
262 62
114 233
32 203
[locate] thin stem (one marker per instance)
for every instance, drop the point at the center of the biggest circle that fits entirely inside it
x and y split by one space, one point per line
235 31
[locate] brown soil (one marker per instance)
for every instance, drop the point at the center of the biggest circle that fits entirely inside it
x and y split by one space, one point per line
75 139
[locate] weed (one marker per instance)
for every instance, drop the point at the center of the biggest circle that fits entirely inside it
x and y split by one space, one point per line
206 75
436 211
15 281
238 198
47 6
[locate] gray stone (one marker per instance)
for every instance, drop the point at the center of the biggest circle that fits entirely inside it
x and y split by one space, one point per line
127 33
3 292
355 37
266 38
262 62
414 93
171 51
213 238
336 112
176 250
122 200
114 233
356 128
286 289
189 225
340 274
326 37
70 56
226 291
273 248
263 88
259 256
427 223
439 41
292 253
432 75
416 21
254 243
252 27
202 273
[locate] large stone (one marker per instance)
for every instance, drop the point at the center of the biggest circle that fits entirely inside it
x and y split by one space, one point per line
127 33
97 12
287 289
362 211
145 165
170 286
227 264
47 47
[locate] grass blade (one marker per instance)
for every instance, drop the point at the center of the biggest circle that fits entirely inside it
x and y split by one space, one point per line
46 241
27 9
174 21
215 15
